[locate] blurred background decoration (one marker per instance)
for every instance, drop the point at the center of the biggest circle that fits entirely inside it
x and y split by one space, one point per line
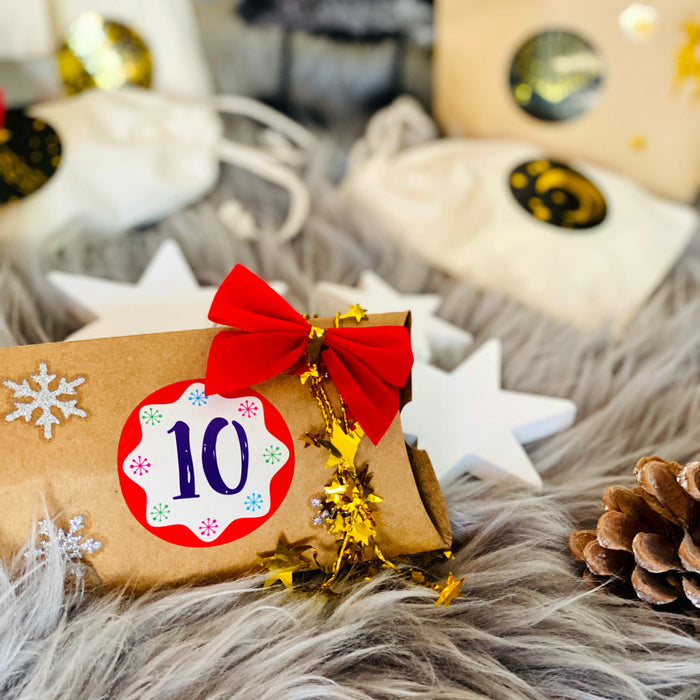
602 98
138 135
50 47
577 242
326 60
609 81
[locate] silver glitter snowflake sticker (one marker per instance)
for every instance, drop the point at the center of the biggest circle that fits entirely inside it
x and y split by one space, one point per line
44 399
72 545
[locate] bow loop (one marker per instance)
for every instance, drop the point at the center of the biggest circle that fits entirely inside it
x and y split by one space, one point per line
368 365
246 302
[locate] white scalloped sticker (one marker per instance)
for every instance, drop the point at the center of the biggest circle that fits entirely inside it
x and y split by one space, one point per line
200 470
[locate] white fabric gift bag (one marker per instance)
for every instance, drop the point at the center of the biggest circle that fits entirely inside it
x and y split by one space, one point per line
131 157
579 243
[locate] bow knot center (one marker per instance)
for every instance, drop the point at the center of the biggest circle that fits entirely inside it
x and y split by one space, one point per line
313 349
316 333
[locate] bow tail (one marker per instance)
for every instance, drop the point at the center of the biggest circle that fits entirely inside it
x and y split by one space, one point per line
372 401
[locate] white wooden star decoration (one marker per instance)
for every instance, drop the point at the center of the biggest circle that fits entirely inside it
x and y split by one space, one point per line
166 298
467 422
430 336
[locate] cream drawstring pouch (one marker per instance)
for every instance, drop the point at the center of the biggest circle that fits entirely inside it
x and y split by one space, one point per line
571 240
130 157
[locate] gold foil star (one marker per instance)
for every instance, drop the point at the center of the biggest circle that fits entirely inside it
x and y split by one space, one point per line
356 312
310 440
449 590
343 446
285 561
688 65
363 530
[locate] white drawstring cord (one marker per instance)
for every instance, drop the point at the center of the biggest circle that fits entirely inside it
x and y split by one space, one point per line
270 166
267 167
404 123
262 113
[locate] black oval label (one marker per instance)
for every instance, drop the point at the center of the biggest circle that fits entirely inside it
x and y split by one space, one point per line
30 153
557 194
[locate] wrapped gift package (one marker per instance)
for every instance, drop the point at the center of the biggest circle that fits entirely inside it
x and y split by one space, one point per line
609 81
179 485
572 240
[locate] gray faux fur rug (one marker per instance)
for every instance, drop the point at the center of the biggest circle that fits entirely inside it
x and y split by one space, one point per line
527 626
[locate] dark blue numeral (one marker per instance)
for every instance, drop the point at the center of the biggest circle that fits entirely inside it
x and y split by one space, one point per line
184 460
211 463
209 458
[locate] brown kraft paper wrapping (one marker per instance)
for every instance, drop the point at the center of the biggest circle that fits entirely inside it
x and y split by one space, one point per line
77 472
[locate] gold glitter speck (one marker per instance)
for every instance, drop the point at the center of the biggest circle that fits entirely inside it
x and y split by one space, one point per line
689 57
638 143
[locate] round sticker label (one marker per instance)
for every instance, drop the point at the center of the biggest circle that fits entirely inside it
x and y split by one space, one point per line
198 470
557 194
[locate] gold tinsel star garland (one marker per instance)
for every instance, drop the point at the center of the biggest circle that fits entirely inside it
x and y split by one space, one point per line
347 508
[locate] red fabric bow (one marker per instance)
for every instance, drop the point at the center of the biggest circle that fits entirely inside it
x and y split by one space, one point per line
368 365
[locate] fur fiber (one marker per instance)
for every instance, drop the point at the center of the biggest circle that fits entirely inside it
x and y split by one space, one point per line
526 627
350 19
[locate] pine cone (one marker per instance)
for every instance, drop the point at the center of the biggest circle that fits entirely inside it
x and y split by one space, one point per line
649 534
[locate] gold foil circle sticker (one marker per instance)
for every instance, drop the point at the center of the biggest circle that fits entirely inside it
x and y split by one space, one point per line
556 75
556 194
103 54
30 153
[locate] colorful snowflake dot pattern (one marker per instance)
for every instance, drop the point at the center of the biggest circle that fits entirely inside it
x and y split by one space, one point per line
198 398
272 454
254 502
140 466
160 513
208 527
152 416
248 409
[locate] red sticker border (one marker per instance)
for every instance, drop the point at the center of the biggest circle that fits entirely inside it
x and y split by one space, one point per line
135 496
